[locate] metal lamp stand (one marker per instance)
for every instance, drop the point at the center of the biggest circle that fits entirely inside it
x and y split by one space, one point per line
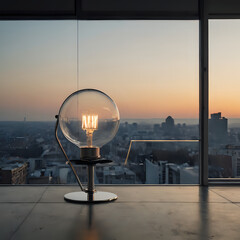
89 195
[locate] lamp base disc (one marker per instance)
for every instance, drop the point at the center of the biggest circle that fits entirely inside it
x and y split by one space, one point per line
83 197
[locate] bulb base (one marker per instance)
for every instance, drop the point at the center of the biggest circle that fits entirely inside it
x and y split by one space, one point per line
89 152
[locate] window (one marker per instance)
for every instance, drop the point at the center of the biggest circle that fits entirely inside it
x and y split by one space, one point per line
37 71
224 101
150 68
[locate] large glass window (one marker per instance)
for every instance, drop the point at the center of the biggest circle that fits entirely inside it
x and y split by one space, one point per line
224 101
37 72
150 69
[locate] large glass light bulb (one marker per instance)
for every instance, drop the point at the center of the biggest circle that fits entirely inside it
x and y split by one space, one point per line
89 118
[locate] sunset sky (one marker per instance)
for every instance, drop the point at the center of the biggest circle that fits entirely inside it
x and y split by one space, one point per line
150 68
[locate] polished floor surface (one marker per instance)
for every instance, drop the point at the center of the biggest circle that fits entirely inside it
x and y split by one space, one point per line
140 212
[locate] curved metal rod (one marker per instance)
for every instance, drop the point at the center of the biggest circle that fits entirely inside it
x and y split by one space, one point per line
64 153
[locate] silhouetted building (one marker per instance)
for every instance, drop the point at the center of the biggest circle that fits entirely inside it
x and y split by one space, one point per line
168 126
169 122
14 174
220 166
218 127
234 152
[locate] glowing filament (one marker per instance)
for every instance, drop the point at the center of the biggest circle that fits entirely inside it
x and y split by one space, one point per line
89 122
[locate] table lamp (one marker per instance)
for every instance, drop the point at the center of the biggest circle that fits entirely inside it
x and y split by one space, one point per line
89 119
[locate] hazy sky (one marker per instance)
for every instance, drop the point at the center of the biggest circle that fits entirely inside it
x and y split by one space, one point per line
224 65
37 68
150 68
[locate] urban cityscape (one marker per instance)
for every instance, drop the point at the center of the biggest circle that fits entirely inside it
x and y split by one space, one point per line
30 154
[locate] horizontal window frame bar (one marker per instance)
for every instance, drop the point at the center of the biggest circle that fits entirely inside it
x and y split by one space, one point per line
35 17
224 179
132 15
102 185
224 182
92 17
116 10
95 9
224 16
166 140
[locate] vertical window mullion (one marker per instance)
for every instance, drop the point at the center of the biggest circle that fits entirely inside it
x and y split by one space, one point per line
203 91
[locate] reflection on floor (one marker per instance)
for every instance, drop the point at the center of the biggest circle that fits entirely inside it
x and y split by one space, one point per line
141 212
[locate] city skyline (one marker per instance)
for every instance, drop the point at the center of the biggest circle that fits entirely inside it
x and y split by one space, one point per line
148 160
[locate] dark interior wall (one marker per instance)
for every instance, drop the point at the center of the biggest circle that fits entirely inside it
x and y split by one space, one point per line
98 9
32 9
224 8
141 9
116 9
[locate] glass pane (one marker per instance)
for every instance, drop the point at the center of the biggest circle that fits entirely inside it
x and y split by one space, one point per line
150 69
224 122
37 72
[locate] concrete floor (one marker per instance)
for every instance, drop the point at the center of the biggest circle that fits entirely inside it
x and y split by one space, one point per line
141 212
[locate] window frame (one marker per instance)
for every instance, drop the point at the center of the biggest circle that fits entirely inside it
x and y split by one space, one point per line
201 10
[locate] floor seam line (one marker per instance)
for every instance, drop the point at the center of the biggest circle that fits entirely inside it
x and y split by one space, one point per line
221 195
19 226
234 203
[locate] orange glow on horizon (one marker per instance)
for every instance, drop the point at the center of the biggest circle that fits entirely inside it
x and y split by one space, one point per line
148 75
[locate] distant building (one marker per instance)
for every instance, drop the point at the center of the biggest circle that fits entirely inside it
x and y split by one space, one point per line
13 173
118 175
220 166
36 164
218 128
39 177
234 152
162 172
172 175
155 172
168 126
189 175
169 122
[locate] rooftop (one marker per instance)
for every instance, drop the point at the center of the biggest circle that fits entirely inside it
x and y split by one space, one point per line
140 212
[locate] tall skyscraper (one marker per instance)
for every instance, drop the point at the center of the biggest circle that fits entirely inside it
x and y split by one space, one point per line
168 126
218 128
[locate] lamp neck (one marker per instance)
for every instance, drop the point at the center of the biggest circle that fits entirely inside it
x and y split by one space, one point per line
89 153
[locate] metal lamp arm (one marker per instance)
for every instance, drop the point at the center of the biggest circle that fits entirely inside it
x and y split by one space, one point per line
65 155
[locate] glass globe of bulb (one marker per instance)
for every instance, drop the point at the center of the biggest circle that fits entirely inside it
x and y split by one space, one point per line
89 118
